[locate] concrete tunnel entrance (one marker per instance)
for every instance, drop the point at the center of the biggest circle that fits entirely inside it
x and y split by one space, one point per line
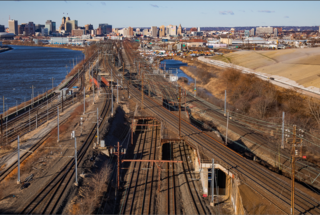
220 181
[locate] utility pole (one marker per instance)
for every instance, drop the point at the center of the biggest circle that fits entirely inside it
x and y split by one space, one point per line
179 112
97 126
18 181
47 111
118 153
225 102
212 183
29 121
111 94
129 85
92 86
226 141
37 120
52 81
142 90
117 92
84 100
282 142
293 167
32 96
195 87
58 122
2 130
75 160
3 100
62 101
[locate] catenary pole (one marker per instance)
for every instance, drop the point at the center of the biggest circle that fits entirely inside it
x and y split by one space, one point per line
58 122
18 182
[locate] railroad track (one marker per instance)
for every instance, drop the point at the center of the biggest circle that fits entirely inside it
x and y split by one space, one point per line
19 126
278 192
32 124
270 185
140 192
198 206
48 198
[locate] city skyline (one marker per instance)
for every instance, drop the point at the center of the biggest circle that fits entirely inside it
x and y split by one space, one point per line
154 13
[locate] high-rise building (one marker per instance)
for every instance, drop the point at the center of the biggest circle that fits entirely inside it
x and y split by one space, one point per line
21 28
29 29
78 32
99 31
179 30
162 31
71 25
275 32
130 32
264 30
198 28
88 28
44 31
2 28
252 32
106 28
63 21
13 26
171 30
51 26
246 33
232 31
38 27
146 32
154 31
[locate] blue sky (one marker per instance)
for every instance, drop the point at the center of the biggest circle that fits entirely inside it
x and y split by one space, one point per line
148 13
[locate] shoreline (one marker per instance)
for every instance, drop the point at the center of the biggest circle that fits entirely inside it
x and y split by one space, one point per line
6 49
75 48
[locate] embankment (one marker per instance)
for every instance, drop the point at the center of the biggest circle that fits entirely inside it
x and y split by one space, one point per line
5 49
18 43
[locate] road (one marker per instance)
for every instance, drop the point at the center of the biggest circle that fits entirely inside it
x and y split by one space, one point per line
280 83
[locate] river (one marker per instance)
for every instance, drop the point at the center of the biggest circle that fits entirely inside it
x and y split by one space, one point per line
24 66
173 66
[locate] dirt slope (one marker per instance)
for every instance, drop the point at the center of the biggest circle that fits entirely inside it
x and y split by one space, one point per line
300 65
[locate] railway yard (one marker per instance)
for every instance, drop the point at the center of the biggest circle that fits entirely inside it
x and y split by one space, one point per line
137 149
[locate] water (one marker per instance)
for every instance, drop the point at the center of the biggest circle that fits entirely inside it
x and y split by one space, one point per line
25 66
173 66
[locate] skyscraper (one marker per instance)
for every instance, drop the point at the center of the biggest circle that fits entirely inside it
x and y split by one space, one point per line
162 31
13 26
88 28
179 30
154 31
51 26
106 28
71 25
275 32
130 32
29 29
172 30
252 32
21 28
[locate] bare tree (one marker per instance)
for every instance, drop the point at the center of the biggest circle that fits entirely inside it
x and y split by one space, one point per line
314 110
